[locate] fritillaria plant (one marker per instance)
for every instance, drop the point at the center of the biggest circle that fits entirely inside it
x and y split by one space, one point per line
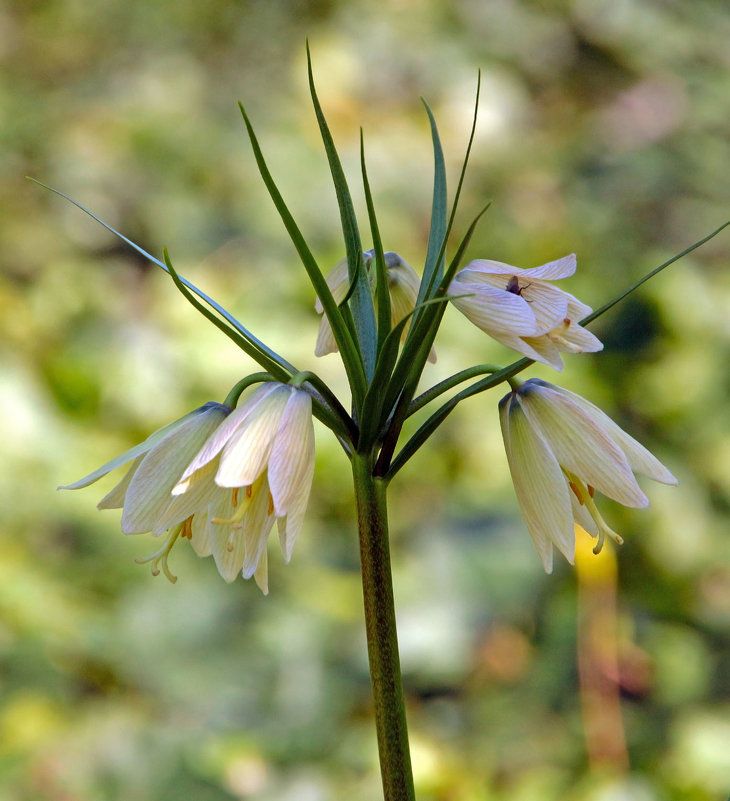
222 475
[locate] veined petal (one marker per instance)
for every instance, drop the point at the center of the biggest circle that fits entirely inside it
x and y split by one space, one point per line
256 526
246 454
137 450
540 485
291 466
579 443
577 310
325 339
573 338
493 310
115 498
405 278
261 576
149 492
290 526
226 538
338 281
582 516
220 437
496 280
524 345
548 303
491 267
200 534
403 296
196 497
640 458
553 270
543 350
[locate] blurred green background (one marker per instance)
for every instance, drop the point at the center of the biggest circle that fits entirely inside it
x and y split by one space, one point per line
603 130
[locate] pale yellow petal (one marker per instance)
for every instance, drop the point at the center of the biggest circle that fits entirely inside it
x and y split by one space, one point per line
640 458
256 527
493 310
200 538
133 453
540 485
149 492
223 433
291 466
553 270
580 444
246 454
226 539
115 498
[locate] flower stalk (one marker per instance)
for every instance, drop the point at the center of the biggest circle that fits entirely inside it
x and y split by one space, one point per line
382 636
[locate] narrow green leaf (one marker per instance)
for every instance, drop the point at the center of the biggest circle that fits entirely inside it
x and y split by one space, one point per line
438 417
449 383
343 335
427 289
381 286
461 249
462 175
372 407
361 302
433 268
375 412
606 306
419 438
255 353
244 332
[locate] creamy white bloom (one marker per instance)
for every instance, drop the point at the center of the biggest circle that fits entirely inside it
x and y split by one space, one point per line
144 493
266 448
403 285
560 449
521 308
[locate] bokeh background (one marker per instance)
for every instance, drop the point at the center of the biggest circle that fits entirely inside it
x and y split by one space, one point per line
603 131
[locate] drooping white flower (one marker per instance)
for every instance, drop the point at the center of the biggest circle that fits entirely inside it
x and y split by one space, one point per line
266 448
144 493
521 308
403 286
560 449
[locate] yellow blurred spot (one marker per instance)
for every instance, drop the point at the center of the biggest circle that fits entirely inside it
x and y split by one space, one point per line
593 567
28 720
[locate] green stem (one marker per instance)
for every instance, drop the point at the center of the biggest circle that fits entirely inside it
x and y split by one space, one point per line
382 636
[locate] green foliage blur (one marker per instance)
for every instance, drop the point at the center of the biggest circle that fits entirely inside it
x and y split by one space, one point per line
603 130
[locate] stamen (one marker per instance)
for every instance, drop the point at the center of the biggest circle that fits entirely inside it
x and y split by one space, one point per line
239 513
187 529
591 490
249 491
159 558
234 496
570 347
576 492
604 529
271 504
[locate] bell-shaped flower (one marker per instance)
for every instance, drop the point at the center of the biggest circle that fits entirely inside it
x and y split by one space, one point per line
266 447
234 530
403 286
561 449
144 493
521 308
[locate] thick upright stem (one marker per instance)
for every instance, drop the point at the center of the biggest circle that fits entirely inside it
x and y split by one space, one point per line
382 637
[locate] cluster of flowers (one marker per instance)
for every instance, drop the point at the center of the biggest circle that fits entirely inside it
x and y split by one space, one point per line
221 477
